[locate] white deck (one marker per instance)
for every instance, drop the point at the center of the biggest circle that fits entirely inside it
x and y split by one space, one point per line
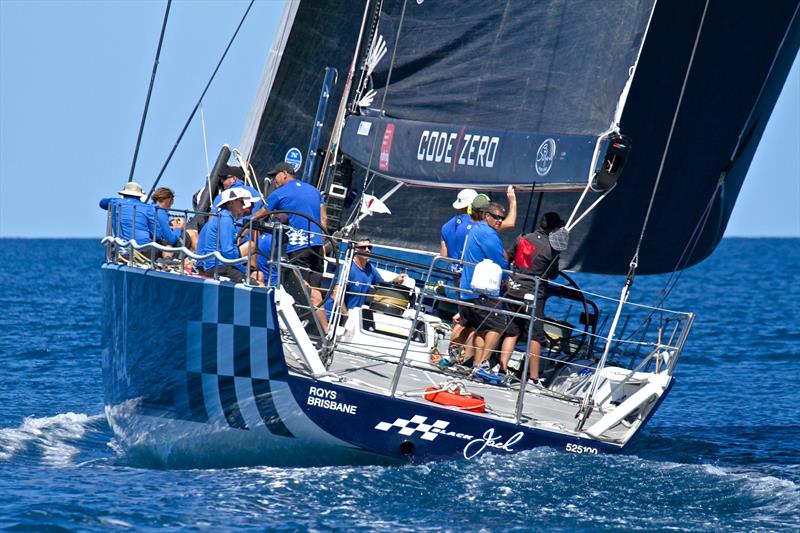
542 409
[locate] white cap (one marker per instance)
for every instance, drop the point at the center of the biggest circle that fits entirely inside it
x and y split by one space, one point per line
235 193
465 197
133 189
248 197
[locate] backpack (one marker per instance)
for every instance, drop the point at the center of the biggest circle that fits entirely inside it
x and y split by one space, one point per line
523 259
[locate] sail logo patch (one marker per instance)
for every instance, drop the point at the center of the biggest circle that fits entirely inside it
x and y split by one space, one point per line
386 147
545 156
294 157
363 128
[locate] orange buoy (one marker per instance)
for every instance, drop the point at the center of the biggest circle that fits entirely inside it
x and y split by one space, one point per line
472 402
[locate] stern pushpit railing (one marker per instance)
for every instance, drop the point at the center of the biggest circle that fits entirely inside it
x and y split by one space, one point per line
656 357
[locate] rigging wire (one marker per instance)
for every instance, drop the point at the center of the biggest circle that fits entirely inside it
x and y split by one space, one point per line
149 91
694 240
338 124
199 101
205 148
683 260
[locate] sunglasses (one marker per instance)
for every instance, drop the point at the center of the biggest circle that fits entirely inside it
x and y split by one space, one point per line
368 248
497 217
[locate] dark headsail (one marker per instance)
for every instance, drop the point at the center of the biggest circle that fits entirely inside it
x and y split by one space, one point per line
489 94
698 102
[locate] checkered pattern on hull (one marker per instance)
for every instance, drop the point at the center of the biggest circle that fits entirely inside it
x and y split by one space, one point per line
233 354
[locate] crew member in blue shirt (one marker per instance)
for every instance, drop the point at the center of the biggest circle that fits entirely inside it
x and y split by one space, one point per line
232 178
483 242
131 218
167 232
305 238
478 204
361 278
219 234
449 228
461 336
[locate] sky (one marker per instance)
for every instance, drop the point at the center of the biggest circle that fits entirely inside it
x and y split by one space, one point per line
74 77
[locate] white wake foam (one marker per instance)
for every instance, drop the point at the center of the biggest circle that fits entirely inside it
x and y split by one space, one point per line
53 436
779 498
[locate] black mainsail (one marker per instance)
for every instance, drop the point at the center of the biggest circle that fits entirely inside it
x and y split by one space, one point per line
535 85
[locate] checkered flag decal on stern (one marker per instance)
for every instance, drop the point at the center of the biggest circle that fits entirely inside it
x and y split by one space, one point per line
416 424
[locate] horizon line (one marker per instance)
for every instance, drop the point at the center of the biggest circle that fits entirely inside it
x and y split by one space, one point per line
57 237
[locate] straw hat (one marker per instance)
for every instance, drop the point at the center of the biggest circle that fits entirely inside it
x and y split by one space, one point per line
133 189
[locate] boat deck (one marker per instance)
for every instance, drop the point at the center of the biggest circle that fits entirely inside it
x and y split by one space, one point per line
542 409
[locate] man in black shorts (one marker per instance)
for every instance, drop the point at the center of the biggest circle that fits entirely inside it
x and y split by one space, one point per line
483 243
531 256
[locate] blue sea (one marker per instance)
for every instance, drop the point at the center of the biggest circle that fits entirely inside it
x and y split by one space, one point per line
722 453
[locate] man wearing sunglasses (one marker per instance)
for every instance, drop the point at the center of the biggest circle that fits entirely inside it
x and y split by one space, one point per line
361 279
483 242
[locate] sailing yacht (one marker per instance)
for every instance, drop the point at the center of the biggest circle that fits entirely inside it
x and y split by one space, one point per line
620 116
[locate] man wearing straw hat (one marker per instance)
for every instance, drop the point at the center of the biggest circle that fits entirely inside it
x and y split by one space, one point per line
131 218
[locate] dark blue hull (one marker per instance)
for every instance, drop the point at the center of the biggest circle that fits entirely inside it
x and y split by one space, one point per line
195 375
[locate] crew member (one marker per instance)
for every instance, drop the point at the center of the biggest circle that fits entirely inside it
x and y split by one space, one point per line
167 232
475 210
231 177
531 256
461 205
131 218
462 337
219 234
483 243
361 278
305 238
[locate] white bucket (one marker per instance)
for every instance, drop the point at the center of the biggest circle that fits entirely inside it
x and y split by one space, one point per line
487 277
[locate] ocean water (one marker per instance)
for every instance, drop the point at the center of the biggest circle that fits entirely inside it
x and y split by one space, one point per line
722 453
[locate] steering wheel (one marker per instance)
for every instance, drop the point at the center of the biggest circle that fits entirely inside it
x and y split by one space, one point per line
584 302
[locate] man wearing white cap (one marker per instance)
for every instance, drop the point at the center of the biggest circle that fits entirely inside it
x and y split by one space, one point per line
462 203
131 218
219 234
